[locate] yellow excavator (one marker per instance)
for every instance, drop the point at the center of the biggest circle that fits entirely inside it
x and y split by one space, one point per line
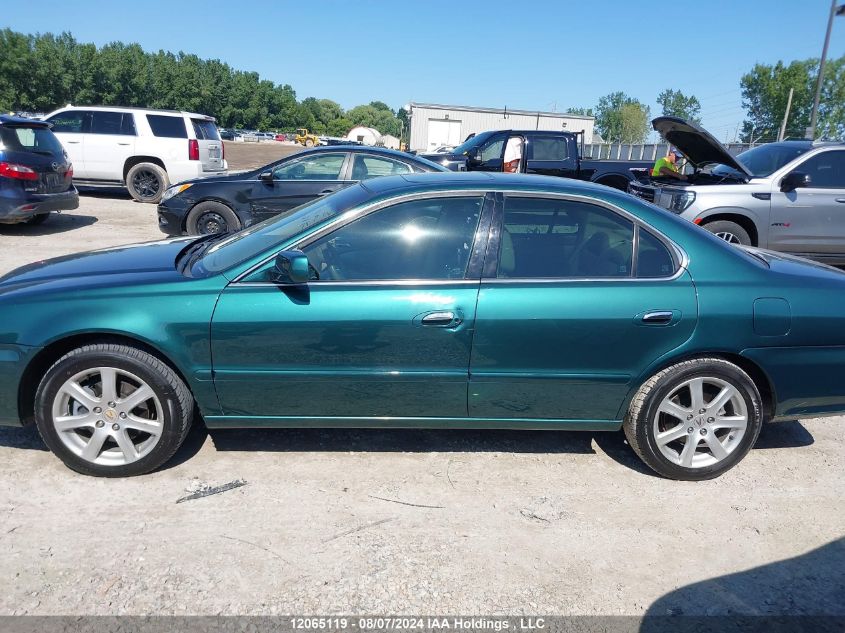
304 138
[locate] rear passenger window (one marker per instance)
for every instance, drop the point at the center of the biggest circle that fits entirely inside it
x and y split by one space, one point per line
548 148
371 167
550 238
112 123
167 126
653 257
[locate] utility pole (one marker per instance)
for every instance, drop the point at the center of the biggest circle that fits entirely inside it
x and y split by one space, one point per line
834 10
786 115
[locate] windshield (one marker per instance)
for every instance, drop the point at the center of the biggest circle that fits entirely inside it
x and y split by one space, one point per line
261 237
764 160
472 142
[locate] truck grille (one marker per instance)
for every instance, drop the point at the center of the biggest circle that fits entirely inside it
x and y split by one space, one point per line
646 193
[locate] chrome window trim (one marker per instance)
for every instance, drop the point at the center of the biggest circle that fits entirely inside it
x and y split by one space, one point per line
681 257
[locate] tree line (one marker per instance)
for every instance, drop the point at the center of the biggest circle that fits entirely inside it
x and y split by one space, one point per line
42 72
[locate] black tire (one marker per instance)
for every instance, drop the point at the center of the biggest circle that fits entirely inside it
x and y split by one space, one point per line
147 182
726 229
640 424
210 217
38 218
176 403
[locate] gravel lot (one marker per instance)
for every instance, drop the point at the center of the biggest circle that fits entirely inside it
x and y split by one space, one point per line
413 522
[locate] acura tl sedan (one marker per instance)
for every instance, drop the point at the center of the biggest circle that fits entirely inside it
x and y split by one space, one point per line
222 204
427 300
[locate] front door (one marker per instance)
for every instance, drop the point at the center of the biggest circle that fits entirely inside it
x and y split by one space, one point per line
383 330
567 317
811 220
298 181
70 128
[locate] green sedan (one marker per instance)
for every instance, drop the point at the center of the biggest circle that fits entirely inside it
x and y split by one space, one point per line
431 300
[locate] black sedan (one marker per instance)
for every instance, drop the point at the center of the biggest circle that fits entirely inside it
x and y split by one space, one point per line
227 203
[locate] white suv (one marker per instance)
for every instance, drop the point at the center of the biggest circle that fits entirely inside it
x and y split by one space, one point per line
140 149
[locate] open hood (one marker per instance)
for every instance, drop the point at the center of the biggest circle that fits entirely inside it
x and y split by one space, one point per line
696 144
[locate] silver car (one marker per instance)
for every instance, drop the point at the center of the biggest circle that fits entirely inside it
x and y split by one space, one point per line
787 196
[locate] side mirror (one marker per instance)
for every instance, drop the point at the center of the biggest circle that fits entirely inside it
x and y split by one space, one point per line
266 176
473 154
291 267
793 180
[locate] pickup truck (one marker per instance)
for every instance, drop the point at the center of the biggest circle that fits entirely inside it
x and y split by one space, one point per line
787 196
549 153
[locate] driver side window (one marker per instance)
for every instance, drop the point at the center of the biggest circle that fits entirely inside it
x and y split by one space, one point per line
420 239
320 167
491 150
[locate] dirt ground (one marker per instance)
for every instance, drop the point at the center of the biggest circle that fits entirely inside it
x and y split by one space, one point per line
411 522
241 156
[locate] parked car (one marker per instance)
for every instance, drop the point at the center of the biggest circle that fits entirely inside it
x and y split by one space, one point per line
226 135
787 196
265 136
228 203
142 150
548 153
427 300
35 174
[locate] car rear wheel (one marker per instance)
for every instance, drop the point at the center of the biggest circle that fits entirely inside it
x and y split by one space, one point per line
210 217
695 420
146 182
729 231
112 410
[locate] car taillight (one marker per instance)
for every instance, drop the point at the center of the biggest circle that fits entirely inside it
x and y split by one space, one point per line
193 149
222 150
19 172
69 173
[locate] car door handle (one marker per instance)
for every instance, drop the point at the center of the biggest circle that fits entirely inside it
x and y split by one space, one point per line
840 200
72 142
445 318
658 317
123 143
326 192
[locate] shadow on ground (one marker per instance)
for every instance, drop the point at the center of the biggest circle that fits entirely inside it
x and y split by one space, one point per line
56 223
105 192
790 595
780 435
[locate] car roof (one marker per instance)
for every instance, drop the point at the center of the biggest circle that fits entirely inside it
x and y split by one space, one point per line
16 121
482 180
118 108
370 149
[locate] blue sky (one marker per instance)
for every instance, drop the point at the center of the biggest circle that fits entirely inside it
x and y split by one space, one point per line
522 54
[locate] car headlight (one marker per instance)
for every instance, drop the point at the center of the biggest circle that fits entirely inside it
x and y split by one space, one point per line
682 201
174 190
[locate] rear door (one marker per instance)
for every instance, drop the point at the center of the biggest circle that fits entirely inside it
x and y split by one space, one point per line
210 144
549 155
109 143
70 128
577 300
811 220
300 180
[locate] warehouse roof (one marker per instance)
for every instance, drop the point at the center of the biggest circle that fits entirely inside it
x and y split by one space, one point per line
505 110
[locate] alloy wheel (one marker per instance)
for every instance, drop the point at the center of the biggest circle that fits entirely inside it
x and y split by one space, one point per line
108 416
729 237
700 422
146 183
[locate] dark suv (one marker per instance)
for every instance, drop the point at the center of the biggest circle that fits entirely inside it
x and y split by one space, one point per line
35 175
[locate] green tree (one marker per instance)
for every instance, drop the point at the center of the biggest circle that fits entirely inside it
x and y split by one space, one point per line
765 90
676 103
622 119
581 111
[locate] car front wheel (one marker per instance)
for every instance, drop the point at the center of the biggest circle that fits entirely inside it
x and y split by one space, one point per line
729 231
695 420
112 410
210 217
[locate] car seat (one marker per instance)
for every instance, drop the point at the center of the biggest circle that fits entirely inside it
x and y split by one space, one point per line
359 170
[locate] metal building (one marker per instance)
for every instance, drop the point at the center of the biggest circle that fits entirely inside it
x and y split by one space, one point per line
433 125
